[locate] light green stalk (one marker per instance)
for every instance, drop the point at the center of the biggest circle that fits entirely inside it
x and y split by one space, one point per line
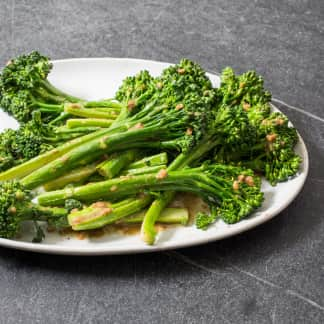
99 215
107 103
89 122
154 160
145 170
74 176
77 109
168 216
114 164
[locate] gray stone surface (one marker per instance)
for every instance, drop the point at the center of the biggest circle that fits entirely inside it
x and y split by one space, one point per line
272 274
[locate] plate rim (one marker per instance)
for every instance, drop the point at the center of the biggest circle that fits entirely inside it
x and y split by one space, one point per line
105 250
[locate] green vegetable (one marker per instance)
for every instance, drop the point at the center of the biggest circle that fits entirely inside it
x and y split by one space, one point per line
235 134
145 170
148 231
29 166
168 216
171 111
78 123
77 109
24 88
271 148
72 204
29 141
75 176
150 161
114 164
101 213
205 141
16 207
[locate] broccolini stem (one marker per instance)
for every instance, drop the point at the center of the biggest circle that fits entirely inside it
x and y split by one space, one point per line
130 185
65 130
79 122
75 176
154 160
112 166
124 202
148 231
104 109
28 167
63 116
167 216
145 170
44 213
99 214
49 87
108 103
50 107
48 97
76 109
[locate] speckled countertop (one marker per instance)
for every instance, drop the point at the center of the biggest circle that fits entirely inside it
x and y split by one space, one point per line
272 274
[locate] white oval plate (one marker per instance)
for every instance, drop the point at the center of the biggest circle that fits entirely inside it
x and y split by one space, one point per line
96 78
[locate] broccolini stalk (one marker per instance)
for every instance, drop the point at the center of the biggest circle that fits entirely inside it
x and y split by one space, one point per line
155 211
81 175
167 216
148 232
75 176
77 109
105 104
102 213
88 122
150 161
78 131
115 163
145 170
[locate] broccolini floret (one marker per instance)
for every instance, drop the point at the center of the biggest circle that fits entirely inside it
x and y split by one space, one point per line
18 146
271 149
24 88
16 206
